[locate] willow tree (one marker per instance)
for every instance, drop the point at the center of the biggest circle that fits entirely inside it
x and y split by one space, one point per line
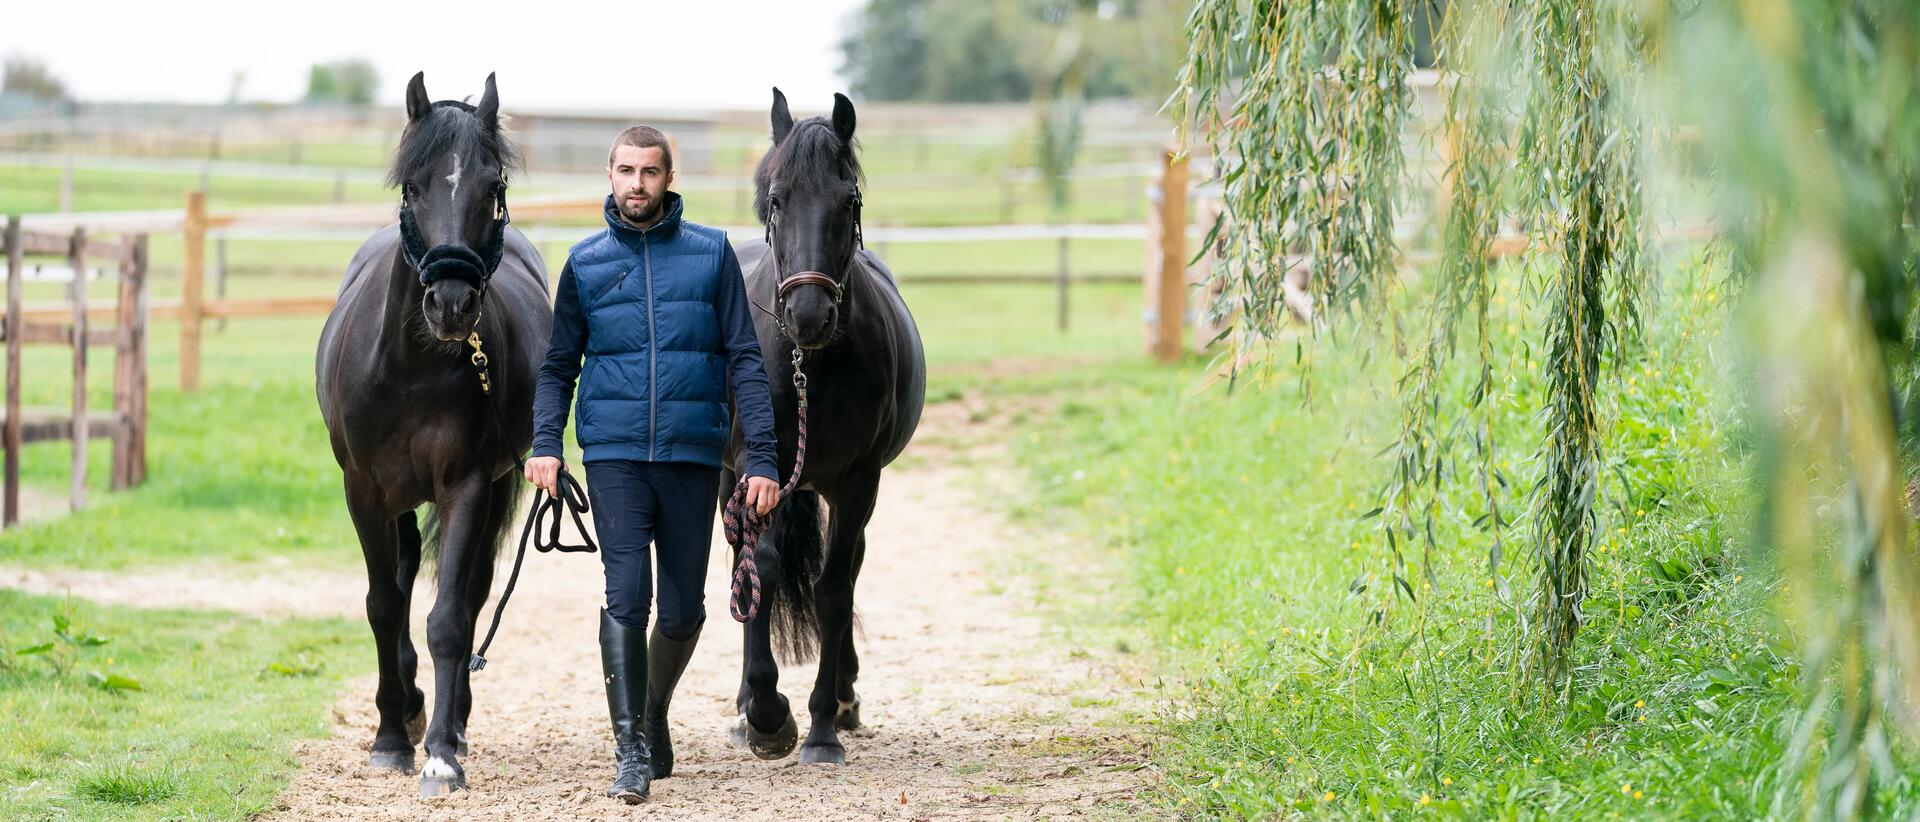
1811 111
1308 110
1807 111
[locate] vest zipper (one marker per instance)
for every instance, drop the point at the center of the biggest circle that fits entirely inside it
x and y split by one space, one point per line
653 357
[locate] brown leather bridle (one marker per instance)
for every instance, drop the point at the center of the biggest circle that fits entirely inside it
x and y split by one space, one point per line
802 278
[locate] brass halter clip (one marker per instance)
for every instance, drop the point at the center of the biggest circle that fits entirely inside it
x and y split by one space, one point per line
480 361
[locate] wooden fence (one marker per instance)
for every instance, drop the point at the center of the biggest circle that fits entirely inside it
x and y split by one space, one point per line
126 423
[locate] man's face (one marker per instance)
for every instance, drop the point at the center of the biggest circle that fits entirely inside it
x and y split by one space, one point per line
639 177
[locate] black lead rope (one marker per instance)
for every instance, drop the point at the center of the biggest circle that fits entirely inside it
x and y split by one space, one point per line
570 499
573 501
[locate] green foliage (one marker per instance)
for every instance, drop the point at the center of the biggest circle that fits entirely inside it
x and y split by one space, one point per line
1257 581
353 82
1308 109
1808 112
968 51
30 77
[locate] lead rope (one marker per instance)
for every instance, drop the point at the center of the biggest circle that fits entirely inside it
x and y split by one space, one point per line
571 499
745 525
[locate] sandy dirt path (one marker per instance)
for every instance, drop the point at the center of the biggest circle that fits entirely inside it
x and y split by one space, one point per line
973 711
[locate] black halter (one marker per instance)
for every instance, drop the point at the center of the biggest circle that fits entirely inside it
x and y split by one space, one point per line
455 260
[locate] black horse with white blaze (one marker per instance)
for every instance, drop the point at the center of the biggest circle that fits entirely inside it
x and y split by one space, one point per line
411 420
818 289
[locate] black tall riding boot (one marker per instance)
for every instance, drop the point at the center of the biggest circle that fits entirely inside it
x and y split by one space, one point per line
623 657
666 661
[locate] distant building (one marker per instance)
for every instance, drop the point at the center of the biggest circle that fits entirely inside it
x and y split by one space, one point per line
577 140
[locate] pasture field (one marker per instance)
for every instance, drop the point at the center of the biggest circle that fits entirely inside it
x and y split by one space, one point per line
1298 682
220 700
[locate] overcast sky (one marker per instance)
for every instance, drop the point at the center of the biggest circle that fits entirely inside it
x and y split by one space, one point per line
548 53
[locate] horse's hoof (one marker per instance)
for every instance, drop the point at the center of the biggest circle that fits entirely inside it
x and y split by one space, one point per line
776 745
430 787
440 778
417 727
829 754
401 761
848 719
737 732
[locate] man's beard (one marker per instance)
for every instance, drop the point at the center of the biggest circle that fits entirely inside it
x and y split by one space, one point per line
642 215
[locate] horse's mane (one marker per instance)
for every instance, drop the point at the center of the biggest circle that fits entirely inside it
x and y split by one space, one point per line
812 152
449 126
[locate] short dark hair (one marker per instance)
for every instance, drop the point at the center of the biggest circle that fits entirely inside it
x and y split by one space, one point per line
643 137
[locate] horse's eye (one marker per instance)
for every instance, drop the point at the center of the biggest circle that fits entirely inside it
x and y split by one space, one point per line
409 191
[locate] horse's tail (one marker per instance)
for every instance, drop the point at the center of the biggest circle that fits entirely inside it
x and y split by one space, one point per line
505 496
799 535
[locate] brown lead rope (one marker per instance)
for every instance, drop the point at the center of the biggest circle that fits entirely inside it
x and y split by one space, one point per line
744 525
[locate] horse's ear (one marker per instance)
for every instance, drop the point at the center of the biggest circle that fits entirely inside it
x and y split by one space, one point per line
489 109
417 102
782 119
842 117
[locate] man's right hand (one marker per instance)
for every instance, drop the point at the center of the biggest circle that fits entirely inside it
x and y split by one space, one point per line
544 473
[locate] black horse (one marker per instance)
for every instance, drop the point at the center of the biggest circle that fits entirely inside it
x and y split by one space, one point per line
820 290
408 417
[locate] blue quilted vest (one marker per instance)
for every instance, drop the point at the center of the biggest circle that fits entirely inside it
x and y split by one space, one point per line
653 387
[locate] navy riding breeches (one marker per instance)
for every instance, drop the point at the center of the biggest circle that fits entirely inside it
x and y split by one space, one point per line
668 505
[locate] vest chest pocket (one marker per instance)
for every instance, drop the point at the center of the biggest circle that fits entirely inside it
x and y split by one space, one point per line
609 287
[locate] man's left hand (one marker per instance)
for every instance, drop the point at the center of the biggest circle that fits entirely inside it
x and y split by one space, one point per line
762 494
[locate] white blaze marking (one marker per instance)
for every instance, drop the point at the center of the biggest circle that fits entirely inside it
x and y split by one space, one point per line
437 769
454 178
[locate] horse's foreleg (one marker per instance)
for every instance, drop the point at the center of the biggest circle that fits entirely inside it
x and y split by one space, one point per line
849 509
396 698
465 565
848 717
500 512
765 725
407 569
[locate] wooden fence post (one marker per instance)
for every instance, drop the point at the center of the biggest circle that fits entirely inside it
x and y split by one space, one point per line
1167 273
1060 280
137 452
193 260
76 257
10 436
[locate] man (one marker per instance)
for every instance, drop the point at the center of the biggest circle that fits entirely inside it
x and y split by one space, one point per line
658 308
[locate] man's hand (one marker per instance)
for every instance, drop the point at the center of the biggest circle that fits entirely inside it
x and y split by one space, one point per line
762 494
544 473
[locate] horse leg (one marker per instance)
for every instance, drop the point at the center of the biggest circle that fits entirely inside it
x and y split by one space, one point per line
406 570
387 616
849 510
466 563
501 496
848 718
765 725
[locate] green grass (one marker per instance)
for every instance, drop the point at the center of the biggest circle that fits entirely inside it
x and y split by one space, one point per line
27 189
1301 684
208 734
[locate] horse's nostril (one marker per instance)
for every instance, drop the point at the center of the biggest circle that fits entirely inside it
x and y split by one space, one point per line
466 302
433 302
